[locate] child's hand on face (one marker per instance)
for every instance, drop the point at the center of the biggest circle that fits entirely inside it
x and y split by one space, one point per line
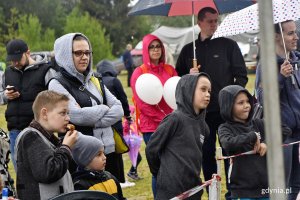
70 138
262 149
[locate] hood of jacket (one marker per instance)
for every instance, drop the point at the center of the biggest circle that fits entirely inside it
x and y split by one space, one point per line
40 58
106 68
63 48
146 43
184 100
227 97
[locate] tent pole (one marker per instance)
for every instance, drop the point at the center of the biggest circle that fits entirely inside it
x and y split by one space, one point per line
271 101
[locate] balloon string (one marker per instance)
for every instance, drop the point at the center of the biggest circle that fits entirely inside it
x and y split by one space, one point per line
161 110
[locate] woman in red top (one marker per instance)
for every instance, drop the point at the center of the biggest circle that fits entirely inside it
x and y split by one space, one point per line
153 63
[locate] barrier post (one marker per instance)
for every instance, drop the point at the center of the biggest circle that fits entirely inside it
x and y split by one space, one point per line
219 171
213 188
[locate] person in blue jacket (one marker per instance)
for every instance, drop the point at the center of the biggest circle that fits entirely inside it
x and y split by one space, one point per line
289 93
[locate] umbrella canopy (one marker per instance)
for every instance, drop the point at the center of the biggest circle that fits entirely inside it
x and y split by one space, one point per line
185 7
247 20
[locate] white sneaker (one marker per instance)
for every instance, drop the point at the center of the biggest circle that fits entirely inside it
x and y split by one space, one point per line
127 184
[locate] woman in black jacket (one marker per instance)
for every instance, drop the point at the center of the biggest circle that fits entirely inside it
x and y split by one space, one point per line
110 80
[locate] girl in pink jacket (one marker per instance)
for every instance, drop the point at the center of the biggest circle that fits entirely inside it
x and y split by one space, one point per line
153 63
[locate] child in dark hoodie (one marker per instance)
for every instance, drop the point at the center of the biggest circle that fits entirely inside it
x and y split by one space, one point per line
88 153
240 133
174 152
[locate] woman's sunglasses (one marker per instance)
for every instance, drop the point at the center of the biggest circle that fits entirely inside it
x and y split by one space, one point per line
80 53
152 47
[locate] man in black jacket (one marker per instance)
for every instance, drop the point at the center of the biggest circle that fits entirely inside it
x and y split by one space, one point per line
21 83
128 62
222 60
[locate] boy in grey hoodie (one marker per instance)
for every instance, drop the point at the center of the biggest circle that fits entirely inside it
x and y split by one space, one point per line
174 152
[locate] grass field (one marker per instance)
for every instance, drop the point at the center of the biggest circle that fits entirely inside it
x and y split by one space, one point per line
142 189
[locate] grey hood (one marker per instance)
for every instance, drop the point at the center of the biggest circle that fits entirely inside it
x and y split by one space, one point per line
227 97
63 48
40 58
184 94
106 68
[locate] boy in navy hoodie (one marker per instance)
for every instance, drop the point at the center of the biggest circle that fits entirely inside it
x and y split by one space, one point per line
174 152
240 133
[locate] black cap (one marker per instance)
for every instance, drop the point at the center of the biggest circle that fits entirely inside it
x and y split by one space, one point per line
15 49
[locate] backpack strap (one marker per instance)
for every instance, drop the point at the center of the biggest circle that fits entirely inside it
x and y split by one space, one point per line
168 68
97 80
65 83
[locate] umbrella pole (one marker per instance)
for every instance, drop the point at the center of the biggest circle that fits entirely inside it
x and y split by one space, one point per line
285 53
194 46
284 47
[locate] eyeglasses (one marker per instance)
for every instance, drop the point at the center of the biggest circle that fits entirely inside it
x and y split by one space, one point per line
152 47
80 53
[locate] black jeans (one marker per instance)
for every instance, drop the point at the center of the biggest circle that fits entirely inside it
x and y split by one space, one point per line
115 165
129 71
209 164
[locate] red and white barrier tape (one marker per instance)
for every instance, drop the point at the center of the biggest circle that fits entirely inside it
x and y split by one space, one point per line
252 152
196 189
292 143
237 155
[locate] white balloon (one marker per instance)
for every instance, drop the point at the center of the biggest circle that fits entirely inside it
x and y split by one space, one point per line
169 91
149 88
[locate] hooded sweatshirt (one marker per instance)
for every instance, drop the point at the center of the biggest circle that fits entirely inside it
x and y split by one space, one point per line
99 117
151 115
174 152
249 173
109 77
19 111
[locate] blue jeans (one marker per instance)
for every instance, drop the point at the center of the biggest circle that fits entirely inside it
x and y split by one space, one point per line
146 137
13 134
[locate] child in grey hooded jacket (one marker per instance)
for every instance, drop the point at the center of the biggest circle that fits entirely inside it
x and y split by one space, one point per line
240 133
174 152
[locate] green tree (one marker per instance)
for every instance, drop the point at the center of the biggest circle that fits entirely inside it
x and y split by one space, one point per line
2 46
51 13
84 23
30 30
121 28
12 25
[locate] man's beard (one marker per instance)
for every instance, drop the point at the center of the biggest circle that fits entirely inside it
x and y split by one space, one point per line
26 62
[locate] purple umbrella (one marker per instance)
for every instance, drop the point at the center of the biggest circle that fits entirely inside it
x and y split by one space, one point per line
133 140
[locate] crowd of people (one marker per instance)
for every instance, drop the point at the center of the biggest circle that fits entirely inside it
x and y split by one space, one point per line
61 117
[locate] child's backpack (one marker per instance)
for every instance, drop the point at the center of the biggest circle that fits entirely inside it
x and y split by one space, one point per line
169 69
